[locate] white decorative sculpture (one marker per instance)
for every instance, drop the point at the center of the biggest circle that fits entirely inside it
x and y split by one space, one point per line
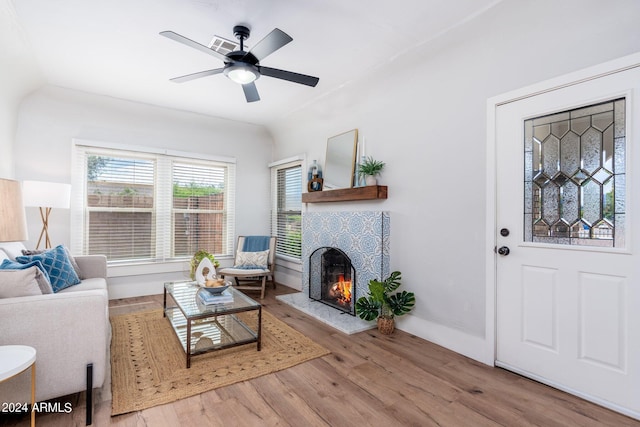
211 274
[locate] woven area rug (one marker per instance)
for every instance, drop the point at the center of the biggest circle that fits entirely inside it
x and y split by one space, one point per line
148 363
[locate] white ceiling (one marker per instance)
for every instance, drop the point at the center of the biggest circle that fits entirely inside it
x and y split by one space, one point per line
113 47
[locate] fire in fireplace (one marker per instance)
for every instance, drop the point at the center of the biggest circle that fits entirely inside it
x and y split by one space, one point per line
332 279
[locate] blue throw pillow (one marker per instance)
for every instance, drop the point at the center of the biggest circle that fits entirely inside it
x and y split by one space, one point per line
57 265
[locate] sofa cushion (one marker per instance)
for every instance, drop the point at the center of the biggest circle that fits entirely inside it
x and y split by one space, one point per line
96 283
56 263
19 283
42 278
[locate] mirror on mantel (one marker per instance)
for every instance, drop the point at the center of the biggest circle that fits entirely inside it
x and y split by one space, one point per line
339 166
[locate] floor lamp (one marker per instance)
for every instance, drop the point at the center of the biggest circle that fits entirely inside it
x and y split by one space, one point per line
13 222
46 196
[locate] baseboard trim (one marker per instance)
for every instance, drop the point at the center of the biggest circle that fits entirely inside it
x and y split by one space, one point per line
472 346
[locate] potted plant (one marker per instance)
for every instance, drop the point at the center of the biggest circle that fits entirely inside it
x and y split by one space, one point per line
370 168
382 304
195 261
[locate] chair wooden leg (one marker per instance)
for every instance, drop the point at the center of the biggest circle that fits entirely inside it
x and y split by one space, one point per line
264 284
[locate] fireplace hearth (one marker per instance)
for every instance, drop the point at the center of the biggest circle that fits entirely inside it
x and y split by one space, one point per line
332 279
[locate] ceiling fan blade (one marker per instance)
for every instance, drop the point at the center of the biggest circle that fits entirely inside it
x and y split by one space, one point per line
202 48
251 92
197 75
272 42
289 76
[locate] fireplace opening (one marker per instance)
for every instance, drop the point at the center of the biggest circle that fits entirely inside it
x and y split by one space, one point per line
332 279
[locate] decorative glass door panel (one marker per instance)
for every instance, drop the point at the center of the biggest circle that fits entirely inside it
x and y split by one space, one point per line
575 176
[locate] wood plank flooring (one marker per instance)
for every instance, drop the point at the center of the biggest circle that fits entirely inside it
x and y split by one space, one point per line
367 380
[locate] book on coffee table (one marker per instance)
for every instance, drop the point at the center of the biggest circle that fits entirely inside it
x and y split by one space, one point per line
209 298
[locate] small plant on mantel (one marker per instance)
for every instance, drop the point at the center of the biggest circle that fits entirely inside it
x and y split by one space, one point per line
381 304
370 168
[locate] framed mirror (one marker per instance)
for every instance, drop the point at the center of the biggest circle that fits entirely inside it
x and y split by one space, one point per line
339 165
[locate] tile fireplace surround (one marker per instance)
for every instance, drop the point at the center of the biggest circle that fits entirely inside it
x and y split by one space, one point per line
364 238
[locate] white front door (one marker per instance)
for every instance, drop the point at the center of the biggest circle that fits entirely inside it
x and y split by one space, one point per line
568 239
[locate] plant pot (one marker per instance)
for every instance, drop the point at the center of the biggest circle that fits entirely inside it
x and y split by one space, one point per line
370 180
386 325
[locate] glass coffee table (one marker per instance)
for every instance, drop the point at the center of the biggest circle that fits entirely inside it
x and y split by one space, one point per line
203 327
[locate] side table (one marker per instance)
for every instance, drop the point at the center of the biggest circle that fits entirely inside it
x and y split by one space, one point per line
14 360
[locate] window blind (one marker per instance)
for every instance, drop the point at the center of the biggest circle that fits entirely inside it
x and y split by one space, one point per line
198 208
287 209
151 207
120 205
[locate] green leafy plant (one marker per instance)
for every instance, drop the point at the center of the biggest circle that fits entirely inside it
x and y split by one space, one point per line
199 256
381 302
370 167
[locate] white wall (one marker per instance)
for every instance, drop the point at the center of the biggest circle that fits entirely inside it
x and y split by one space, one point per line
424 115
51 117
19 76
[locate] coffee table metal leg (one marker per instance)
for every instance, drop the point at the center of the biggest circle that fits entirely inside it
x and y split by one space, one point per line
164 306
188 344
259 327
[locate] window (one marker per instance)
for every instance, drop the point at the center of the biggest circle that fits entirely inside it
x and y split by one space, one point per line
287 208
152 207
120 220
574 177
198 209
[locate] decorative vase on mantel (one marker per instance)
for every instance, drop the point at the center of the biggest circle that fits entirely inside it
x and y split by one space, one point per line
370 180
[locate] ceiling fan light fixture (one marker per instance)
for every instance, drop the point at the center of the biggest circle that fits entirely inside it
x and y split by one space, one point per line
241 73
240 66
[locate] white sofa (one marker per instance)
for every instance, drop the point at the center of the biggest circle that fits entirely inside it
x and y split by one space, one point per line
70 331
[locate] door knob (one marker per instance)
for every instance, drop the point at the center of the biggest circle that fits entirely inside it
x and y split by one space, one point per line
504 251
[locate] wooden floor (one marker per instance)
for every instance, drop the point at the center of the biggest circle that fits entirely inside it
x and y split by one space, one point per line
368 379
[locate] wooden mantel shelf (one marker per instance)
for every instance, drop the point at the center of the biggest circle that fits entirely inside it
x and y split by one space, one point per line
370 192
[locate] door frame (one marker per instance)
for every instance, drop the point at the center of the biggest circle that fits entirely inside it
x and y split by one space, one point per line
491 259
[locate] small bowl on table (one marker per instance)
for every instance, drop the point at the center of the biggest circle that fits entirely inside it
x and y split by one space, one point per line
215 286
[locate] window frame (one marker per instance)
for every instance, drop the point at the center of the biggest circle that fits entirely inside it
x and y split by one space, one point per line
163 198
297 161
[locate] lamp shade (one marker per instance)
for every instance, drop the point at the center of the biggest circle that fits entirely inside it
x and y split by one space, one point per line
13 222
46 194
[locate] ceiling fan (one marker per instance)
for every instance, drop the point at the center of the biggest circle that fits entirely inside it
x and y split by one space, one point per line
244 67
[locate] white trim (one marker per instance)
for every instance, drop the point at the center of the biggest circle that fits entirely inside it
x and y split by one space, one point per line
165 161
472 346
151 150
290 162
608 68
289 262
592 73
293 159
491 227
